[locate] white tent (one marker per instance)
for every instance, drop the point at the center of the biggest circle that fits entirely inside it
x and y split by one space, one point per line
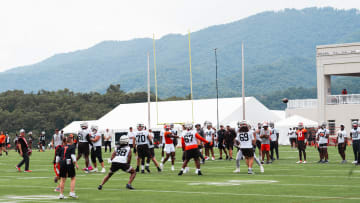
290 122
230 111
74 126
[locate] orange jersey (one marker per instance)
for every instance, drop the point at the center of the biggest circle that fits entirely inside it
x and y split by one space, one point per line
2 139
301 134
168 139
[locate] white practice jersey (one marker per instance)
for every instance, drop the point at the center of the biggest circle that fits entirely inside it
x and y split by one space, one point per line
162 135
292 134
57 139
208 134
245 139
189 137
341 134
151 142
355 134
131 136
141 137
122 154
82 135
322 133
273 136
97 143
265 132
107 136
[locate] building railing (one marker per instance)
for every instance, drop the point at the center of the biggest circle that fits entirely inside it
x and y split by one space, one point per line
343 99
302 103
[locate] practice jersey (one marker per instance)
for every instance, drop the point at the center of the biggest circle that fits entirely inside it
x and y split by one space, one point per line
107 136
292 134
65 152
97 143
151 141
322 133
131 137
189 139
141 137
245 139
121 155
2 139
355 134
162 135
265 132
341 134
168 139
42 138
209 134
57 139
82 135
274 133
301 134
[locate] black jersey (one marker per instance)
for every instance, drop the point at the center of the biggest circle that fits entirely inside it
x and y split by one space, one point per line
65 152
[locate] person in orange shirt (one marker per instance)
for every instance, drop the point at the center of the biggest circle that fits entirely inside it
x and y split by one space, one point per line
3 144
189 141
301 140
169 147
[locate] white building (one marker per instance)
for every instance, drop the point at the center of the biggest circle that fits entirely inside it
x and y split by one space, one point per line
332 60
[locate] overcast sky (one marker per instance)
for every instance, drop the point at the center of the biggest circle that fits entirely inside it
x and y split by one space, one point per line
32 30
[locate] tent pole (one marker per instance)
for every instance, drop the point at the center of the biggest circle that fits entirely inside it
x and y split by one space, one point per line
191 90
148 87
156 91
217 92
243 79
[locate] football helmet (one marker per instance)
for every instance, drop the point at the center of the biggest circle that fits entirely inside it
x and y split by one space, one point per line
43 132
243 123
84 125
301 125
22 131
188 125
171 125
271 124
323 124
355 124
265 124
140 125
124 140
94 128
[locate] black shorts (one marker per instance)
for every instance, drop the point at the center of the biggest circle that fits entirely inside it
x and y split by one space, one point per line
152 152
143 151
292 140
116 166
67 171
131 145
208 146
83 148
230 145
341 147
96 153
192 154
301 145
42 143
323 146
2 145
248 152
258 144
220 144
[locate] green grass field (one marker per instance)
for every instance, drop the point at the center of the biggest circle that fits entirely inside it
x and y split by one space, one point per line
283 181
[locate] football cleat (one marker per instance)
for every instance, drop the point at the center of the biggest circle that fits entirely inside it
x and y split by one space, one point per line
90 168
186 170
61 196
262 169
103 170
159 169
343 162
250 171
73 195
147 169
199 173
94 170
237 170
19 170
354 162
128 186
299 162
142 171
137 169
100 187
213 158
180 173
161 166
28 171
305 162
172 168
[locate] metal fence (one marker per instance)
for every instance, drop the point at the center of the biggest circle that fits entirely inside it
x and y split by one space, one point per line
343 99
302 103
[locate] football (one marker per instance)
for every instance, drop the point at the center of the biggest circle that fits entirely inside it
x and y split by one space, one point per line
285 100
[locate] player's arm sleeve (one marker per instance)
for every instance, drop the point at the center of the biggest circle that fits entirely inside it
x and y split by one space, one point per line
201 138
182 143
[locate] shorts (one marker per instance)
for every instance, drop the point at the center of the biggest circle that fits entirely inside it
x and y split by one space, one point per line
96 153
152 152
169 148
220 144
143 151
66 171
265 147
42 143
208 146
248 152
258 144
192 154
341 147
230 146
83 148
2 145
301 145
116 166
292 140
323 146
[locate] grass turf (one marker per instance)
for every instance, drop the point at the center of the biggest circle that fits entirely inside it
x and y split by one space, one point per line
283 181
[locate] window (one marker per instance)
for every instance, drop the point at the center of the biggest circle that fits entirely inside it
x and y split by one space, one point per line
332 127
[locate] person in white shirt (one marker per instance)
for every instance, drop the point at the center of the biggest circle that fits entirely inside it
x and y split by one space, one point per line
96 149
341 141
162 143
107 140
323 136
131 139
274 141
355 137
210 137
292 137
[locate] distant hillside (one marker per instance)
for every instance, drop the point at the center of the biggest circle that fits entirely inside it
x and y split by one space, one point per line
279 53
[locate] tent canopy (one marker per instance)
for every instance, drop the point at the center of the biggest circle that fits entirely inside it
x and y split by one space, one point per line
74 126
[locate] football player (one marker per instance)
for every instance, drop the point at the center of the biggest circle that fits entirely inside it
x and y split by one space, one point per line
121 159
42 139
162 143
274 143
169 147
341 141
152 152
141 143
301 142
96 149
174 132
67 160
84 145
131 139
355 137
323 136
230 135
220 141
200 131
30 139
57 166
265 142
209 136
189 142
292 137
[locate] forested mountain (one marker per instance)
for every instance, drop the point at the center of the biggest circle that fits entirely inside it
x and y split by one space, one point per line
279 54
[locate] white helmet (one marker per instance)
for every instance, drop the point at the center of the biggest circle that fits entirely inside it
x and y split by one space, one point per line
323 124
43 132
140 125
124 140
243 123
265 124
188 125
272 124
30 133
94 127
355 123
84 125
22 131
171 125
